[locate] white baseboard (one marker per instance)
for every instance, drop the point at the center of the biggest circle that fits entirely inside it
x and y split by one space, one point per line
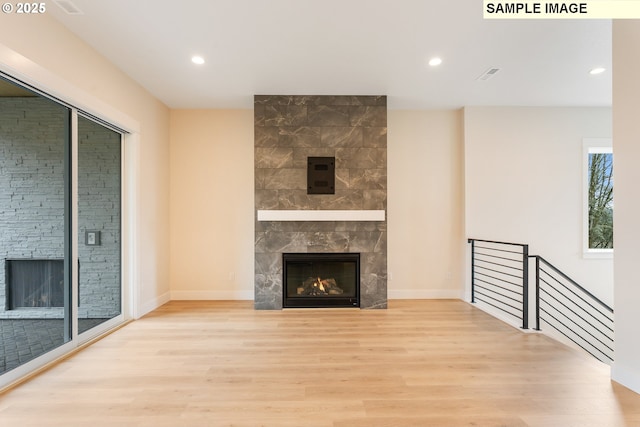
424 294
211 295
248 295
151 305
626 377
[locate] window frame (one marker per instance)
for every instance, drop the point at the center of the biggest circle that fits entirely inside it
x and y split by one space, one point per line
592 146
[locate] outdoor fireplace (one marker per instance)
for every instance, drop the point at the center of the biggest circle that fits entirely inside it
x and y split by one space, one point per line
321 280
34 283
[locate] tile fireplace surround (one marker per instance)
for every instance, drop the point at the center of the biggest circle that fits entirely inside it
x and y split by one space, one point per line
288 130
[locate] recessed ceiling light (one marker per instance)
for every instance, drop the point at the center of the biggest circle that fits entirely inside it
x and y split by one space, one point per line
598 70
197 60
434 62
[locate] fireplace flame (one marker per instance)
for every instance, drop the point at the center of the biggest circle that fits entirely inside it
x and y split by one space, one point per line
316 286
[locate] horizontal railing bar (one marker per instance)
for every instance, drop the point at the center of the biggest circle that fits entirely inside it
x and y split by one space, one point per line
570 332
499 272
519 259
557 329
498 293
606 333
497 263
581 308
500 250
498 286
519 285
580 327
498 300
604 339
578 344
574 333
604 325
499 308
569 289
501 302
573 282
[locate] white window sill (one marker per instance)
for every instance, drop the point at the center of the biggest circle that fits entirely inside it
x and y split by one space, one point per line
598 254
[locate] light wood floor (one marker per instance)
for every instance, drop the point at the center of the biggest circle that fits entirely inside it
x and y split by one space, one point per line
419 363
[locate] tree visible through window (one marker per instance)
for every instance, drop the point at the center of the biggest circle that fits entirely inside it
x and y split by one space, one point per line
600 199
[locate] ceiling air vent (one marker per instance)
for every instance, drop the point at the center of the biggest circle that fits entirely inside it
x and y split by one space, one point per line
68 7
488 74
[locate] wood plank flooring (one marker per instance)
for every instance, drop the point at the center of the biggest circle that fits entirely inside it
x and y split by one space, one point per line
420 363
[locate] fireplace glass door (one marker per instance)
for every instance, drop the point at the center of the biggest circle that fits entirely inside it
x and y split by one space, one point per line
321 280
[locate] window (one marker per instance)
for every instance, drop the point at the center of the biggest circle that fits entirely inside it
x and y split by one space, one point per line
598 197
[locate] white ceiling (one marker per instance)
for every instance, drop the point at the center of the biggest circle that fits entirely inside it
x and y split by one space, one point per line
346 47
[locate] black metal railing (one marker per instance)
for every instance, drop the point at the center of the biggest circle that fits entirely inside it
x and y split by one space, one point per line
500 277
573 311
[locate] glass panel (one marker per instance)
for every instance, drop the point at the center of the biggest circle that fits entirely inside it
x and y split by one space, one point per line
34 215
99 230
600 199
321 279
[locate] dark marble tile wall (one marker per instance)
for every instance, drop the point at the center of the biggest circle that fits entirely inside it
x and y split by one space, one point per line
288 129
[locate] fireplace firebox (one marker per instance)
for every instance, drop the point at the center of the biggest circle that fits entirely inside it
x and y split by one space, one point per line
321 280
34 283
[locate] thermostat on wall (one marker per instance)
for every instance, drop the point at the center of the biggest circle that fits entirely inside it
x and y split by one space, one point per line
92 238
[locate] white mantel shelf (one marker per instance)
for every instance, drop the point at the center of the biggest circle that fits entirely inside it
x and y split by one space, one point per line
321 215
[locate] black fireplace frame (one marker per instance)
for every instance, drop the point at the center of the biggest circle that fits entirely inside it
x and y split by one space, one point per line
10 264
324 301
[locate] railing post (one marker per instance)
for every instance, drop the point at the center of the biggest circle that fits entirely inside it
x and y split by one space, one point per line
537 293
525 287
473 294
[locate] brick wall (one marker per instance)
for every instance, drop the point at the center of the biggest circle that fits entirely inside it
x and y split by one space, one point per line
32 134
32 138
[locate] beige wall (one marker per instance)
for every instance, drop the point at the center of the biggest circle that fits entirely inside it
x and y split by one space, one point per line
526 161
212 212
212 204
524 174
626 149
425 206
48 46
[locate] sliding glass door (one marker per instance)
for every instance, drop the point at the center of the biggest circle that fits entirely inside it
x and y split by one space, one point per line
60 228
99 224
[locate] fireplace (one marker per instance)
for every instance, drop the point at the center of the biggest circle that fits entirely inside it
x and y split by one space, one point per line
34 283
320 166
321 280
